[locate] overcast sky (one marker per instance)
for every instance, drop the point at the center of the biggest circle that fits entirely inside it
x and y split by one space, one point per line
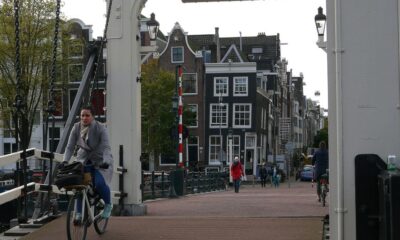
292 19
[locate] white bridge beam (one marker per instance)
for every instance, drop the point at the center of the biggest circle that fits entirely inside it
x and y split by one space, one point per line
124 98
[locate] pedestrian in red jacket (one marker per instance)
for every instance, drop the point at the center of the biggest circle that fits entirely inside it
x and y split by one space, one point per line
236 173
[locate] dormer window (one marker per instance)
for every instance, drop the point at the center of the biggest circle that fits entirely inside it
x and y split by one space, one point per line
256 50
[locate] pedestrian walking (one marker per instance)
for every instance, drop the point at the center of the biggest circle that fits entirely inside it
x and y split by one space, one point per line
276 177
236 173
262 172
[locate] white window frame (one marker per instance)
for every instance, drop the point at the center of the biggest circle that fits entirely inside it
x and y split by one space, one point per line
193 144
75 44
214 146
196 107
249 113
71 101
235 146
190 93
104 101
55 139
69 72
61 102
217 112
223 86
237 86
257 50
172 55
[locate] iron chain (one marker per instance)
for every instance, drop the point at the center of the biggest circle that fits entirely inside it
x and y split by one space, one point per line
51 103
100 53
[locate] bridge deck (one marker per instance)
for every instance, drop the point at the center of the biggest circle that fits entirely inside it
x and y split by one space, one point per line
254 213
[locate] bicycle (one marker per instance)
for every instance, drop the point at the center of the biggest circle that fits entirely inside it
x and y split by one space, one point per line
324 183
92 208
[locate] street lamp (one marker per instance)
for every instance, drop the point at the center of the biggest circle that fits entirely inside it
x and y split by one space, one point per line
220 104
152 27
274 112
230 146
320 22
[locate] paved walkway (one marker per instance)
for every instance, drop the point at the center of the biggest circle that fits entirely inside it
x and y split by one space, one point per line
254 213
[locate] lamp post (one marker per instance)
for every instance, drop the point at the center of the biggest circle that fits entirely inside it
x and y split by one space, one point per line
220 104
230 149
152 31
320 22
152 27
274 110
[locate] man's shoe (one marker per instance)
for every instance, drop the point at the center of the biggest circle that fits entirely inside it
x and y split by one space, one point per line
107 211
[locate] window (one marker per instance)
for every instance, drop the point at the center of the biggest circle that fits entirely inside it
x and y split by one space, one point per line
257 50
36 119
75 72
240 86
71 97
9 147
177 55
98 101
221 86
218 115
235 146
75 49
215 148
193 151
250 141
242 115
206 56
191 118
9 128
59 72
167 159
58 99
189 83
56 133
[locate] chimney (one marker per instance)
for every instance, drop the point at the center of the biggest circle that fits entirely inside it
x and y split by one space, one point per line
218 44
241 44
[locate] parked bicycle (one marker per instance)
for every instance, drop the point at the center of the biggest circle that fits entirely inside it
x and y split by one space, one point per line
92 207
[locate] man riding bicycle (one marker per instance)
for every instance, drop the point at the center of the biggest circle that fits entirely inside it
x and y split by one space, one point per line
320 161
90 138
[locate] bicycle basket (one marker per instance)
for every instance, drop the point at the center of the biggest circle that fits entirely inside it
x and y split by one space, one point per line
70 174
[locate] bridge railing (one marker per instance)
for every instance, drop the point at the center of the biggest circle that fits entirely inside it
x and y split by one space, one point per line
157 184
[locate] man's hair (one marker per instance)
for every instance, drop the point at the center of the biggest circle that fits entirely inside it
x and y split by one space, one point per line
89 108
322 145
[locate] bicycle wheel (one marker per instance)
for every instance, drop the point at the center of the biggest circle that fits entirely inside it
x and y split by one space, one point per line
100 224
76 230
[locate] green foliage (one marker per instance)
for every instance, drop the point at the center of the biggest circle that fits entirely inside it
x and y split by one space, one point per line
158 88
322 135
36 33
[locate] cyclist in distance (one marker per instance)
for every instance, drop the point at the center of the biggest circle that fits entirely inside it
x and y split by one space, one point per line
89 141
320 161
